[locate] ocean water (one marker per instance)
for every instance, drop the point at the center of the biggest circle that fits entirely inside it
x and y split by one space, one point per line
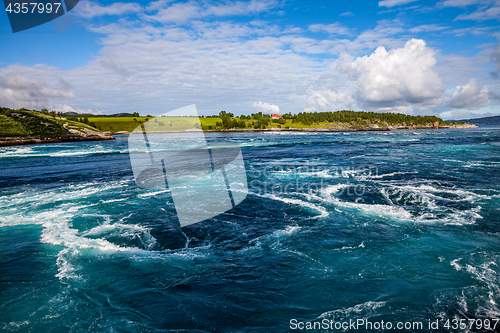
399 226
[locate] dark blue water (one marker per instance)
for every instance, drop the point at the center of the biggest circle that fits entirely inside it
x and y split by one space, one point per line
399 226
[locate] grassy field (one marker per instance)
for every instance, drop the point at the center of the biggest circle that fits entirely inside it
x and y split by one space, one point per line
128 124
117 124
332 120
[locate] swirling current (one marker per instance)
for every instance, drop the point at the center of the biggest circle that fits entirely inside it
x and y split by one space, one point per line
399 226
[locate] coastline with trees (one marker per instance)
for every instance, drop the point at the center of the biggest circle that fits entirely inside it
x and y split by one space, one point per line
25 126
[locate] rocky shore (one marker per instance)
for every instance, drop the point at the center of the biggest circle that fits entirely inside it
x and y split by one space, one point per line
317 129
37 139
86 134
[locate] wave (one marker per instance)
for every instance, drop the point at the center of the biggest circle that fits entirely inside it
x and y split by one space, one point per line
47 151
484 268
360 246
366 308
405 206
321 210
57 210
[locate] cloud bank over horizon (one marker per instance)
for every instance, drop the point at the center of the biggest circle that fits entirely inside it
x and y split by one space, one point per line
244 56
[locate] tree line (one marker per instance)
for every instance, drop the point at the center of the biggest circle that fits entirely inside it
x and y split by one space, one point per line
261 120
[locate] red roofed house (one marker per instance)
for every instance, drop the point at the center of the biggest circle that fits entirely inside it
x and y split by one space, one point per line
436 124
276 116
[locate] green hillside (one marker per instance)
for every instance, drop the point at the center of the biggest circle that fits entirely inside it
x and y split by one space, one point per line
23 122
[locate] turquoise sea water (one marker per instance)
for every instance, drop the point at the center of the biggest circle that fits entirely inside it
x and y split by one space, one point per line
398 226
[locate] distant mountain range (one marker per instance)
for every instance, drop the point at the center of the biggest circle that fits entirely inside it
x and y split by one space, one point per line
495 120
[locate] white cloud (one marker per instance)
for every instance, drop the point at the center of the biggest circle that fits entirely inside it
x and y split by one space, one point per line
384 33
209 64
183 12
492 13
347 14
27 87
428 28
496 59
327 100
155 5
88 9
241 8
399 80
402 76
462 3
226 65
462 114
177 13
266 107
478 31
334 28
393 3
470 96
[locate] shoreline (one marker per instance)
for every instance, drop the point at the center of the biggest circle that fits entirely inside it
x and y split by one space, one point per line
38 139
317 129
29 140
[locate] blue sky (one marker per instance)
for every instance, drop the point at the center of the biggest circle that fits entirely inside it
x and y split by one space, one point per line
416 57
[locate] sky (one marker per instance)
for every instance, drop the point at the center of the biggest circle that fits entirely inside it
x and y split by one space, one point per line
410 56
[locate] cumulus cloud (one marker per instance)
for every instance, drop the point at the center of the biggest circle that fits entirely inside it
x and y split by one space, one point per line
266 107
89 9
401 76
470 96
24 87
394 3
399 80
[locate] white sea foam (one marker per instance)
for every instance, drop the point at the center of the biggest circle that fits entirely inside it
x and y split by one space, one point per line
334 189
487 274
323 212
297 173
41 151
56 209
127 231
398 197
429 190
389 174
454 263
363 308
114 200
291 229
16 151
390 211
152 194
